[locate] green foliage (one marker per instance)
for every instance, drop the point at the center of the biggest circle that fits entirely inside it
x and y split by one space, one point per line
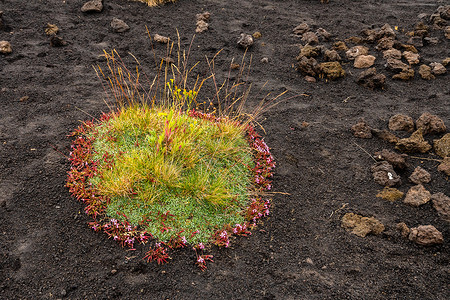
166 161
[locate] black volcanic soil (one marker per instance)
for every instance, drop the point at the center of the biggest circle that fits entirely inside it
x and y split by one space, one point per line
47 251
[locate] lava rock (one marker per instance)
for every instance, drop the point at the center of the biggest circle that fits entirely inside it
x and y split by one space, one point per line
417 196
332 69
410 48
444 12
364 61
331 55
361 226
340 46
396 65
371 79
245 40
308 66
412 58
385 43
301 29
390 194
416 41
384 174
446 60
442 146
403 228
325 35
441 203
445 166
94 6
161 39
415 143
369 35
392 53
429 123
202 26
362 130
356 51
426 235
308 51
401 122
447 32
5 47
310 38
385 136
420 176
404 75
438 68
205 16
398 161
431 40
425 72
386 32
119 25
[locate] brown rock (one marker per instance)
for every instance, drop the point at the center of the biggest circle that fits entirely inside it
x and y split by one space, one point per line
371 79
421 29
361 226
390 194
332 69
203 16
403 228
425 72
438 68
446 60
385 43
325 35
385 135
245 40
356 51
308 66
412 58
340 46
386 31
410 48
5 47
442 146
416 41
444 12
309 51
429 123
405 75
396 65
398 161
160 39
331 55
441 203
417 195
310 38
401 122
301 29
364 61
384 174
447 32
426 235
362 130
415 143
202 26
420 176
370 35
119 25
445 166
392 53
93 6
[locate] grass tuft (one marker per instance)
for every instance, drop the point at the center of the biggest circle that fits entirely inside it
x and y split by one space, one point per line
157 168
